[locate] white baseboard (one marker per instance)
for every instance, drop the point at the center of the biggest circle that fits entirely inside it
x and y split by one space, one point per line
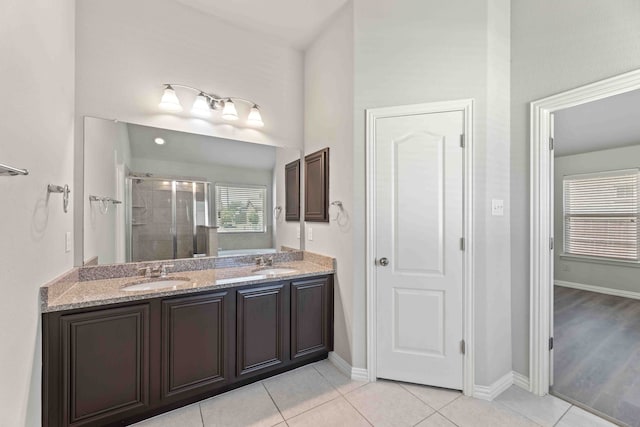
490 392
598 289
479 391
494 390
521 381
357 374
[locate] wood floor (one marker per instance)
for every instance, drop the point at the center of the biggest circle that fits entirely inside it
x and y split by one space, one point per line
597 352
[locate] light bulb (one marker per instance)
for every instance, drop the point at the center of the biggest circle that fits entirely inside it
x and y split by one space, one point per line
170 101
255 119
201 106
159 141
229 112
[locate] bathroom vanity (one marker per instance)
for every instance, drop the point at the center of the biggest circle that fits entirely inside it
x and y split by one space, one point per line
113 357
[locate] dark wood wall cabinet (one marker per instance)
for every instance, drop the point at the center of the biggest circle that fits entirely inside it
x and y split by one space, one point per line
122 363
316 186
292 191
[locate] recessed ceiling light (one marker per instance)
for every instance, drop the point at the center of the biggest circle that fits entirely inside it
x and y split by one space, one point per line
159 141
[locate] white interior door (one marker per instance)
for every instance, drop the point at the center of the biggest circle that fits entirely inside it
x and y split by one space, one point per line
419 227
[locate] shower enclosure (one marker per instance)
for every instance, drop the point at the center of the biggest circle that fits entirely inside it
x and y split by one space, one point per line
166 218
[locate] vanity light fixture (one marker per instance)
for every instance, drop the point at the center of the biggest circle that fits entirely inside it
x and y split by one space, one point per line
229 112
255 119
170 101
206 103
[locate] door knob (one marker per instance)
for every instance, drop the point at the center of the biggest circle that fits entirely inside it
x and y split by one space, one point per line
383 262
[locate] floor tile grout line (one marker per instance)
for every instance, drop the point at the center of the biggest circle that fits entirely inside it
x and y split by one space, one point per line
273 400
356 409
326 379
418 397
201 416
562 416
315 407
447 418
451 402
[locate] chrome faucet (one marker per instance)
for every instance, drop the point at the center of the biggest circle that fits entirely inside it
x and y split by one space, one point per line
156 271
261 261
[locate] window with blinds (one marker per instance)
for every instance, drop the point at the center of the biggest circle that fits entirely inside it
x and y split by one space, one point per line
601 215
240 208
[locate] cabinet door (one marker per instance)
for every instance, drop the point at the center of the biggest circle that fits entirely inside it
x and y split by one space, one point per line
105 356
316 186
310 317
194 344
292 191
261 328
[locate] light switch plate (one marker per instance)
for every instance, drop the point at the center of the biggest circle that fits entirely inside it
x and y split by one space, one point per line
497 207
298 232
310 233
67 242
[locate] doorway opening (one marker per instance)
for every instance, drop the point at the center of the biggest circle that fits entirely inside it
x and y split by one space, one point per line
585 247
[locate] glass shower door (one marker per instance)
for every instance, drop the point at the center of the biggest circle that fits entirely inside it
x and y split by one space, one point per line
151 220
166 218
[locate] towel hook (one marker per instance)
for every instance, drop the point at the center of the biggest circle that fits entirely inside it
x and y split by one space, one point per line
51 188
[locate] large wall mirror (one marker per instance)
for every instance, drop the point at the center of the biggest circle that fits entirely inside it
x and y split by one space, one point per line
158 194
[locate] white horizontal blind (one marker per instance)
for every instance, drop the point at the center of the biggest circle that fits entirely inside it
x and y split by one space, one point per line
601 215
240 208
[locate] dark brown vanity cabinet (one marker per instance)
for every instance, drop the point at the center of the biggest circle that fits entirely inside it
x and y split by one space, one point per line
311 317
121 363
102 361
195 344
262 325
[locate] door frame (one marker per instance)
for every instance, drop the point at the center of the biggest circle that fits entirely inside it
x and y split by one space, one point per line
466 107
541 219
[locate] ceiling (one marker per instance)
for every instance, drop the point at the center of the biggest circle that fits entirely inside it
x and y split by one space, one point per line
294 22
192 148
599 125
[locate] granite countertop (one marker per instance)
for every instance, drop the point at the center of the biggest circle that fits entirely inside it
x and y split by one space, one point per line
67 294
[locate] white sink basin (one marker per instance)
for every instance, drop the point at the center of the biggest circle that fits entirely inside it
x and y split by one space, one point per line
156 284
272 271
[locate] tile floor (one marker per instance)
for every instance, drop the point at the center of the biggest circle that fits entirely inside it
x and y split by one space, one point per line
319 395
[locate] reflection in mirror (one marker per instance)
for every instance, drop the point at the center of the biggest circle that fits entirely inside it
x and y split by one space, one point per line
156 194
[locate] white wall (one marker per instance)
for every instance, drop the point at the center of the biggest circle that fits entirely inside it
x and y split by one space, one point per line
36 132
329 123
286 232
126 50
555 46
220 174
107 145
603 275
416 51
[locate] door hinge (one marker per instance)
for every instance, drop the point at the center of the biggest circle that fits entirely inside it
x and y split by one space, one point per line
550 343
462 245
462 140
551 243
463 347
550 143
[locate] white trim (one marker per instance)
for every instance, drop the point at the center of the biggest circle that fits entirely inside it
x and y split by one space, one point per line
521 381
490 392
357 374
466 106
340 364
598 289
541 221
